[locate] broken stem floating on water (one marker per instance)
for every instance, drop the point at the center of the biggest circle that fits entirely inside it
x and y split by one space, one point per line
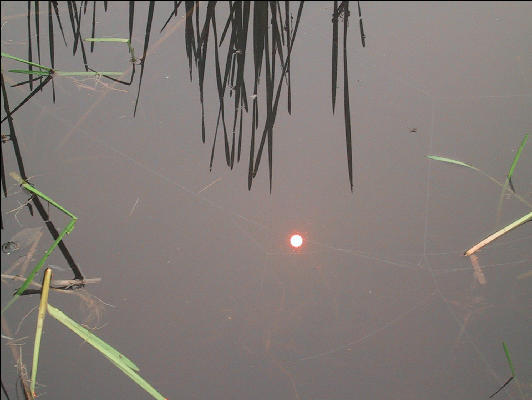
40 321
499 233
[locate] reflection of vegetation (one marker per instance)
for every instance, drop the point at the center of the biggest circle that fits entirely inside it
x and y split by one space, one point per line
271 51
43 213
47 72
273 27
342 11
273 37
268 50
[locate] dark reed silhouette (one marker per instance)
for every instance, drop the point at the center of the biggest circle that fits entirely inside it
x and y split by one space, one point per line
36 200
273 34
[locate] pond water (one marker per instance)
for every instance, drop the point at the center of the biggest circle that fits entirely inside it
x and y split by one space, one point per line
200 286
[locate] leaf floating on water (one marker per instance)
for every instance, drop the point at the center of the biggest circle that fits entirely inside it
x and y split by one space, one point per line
451 161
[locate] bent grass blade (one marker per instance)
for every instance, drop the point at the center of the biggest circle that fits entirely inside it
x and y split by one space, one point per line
117 358
32 189
463 164
508 180
6 55
65 231
40 321
517 155
511 369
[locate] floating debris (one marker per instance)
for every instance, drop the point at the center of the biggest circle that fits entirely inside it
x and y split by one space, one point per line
21 240
9 247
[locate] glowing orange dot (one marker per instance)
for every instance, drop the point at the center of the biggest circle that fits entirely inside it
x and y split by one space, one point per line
296 241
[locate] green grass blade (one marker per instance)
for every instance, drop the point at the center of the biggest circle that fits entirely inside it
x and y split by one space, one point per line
34 190
40 321
39 265
118 359
91 338
120 40
511 368
30 72
116 40
451 161
6 55
509 178
491 178
517 155
87 73
508 358
139 380
48 70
